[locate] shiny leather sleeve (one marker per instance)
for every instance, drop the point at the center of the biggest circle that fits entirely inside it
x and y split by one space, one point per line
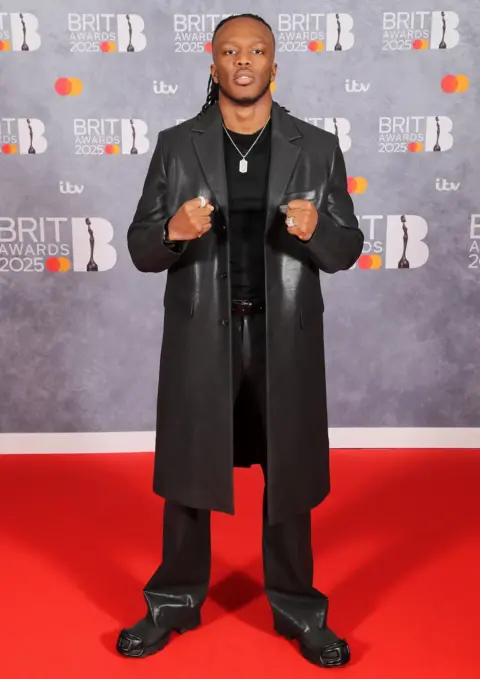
337 241
145 235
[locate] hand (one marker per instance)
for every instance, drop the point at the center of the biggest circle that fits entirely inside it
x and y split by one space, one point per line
190 221
305 218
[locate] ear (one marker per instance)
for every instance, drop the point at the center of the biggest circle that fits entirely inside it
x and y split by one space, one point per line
273 72
213 73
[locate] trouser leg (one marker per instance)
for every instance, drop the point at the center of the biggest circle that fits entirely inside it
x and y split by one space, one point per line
286 546
288 569
180 583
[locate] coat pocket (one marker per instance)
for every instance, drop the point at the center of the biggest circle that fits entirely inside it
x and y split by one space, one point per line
296 195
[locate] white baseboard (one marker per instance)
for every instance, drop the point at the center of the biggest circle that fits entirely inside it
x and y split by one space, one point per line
141 441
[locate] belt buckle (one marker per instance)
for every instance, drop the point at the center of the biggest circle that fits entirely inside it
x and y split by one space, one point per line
242 306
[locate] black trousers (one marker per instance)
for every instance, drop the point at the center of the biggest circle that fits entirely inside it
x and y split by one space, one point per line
180 583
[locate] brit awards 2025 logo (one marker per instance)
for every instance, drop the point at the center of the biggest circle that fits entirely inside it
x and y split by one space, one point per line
420 30
393 242
106 33
338 126
22 135
315 32
110 136
474 251
401 134
56 244
193 32
19 32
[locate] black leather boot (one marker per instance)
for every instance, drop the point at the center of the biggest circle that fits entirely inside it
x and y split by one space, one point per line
145 638
305 619
319 645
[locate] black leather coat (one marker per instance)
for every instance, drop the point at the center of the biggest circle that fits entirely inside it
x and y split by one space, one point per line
195 451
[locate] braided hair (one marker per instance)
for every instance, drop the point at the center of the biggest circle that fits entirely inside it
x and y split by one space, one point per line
213 88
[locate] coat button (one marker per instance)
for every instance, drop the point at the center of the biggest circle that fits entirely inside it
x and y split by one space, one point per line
223 274
225 321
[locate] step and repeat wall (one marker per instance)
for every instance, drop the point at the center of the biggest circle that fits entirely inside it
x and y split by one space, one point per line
85 88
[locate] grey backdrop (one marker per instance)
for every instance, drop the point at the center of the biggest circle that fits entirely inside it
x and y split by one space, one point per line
80 351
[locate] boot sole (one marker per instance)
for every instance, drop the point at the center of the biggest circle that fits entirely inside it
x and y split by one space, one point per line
160 644
283 629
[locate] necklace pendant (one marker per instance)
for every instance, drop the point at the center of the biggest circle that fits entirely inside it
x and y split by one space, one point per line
243 165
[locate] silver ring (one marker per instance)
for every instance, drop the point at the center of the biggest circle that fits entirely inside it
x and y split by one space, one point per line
290 221
203 201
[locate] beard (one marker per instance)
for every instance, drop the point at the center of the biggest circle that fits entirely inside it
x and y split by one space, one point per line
244 101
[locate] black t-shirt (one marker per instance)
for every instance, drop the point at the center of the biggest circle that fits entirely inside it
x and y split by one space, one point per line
247 198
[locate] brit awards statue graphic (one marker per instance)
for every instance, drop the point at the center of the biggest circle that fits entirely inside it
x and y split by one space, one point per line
335 126
91 266
443 44
30 131
437 145
25 47
130 47
134 149
404 263
338 46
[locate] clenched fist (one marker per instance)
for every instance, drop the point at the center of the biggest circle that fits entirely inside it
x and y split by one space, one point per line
301 219
191 220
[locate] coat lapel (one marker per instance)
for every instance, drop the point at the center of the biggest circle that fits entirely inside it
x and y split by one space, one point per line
208 143
283 158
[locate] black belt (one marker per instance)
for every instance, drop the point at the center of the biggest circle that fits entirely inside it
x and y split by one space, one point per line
245 306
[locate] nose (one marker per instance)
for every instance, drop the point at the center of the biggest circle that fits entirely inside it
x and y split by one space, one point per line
243 60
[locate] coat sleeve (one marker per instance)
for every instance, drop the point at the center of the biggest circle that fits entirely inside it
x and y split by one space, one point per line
337 241
145 235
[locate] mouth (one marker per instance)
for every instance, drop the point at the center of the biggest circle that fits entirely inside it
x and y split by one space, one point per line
244 78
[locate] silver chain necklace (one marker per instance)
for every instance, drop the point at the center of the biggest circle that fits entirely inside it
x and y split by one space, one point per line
243 164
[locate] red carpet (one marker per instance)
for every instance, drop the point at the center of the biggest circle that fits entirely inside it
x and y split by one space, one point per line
397 548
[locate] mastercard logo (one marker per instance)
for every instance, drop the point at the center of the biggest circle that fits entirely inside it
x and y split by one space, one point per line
112 149
108 46
420 44
54 264
415 146
9 149
316 46
357 184
369 262
5 46
68 87
455 83
208 47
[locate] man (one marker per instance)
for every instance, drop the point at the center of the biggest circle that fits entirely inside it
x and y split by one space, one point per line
243 205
